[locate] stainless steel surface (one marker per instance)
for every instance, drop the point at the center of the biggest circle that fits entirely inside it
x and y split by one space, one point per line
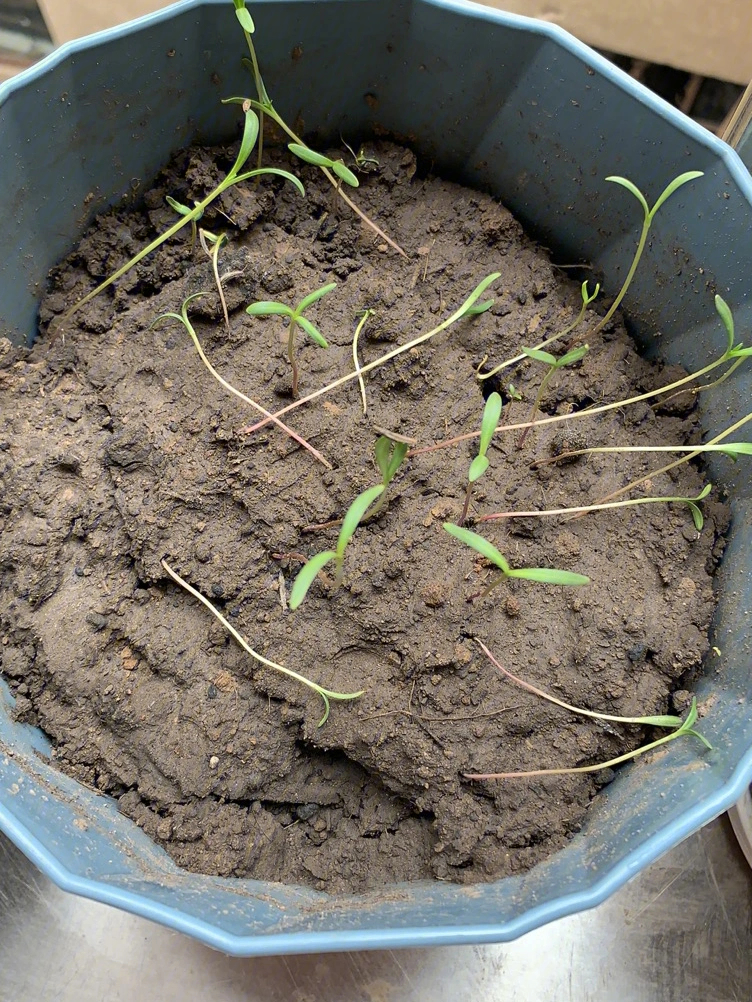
679 932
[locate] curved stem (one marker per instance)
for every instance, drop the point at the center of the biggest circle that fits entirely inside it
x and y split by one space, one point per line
326 694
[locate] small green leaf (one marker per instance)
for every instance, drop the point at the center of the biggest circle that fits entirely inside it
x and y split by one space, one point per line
311 331
478 308
354 516
477 292
245 19
672 186
250 135
173 203
540 356
383 450
732 449
572 356
727 318
307 575
479 544
696 516
660 721
549 575
626 183
398 455
477 468
309 156
491 416
269 309
312 297
587 299
344 173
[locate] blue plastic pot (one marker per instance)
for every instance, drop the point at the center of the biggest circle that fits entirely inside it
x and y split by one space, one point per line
512 105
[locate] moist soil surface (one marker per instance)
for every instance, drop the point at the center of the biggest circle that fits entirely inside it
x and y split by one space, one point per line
119 450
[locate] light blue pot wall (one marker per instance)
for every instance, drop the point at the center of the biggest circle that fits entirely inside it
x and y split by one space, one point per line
519 108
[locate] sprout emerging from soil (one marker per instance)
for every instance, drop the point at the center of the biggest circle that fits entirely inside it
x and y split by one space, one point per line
325 694
296 319
545 575
554 364
491 416
354 516
679 728
390 454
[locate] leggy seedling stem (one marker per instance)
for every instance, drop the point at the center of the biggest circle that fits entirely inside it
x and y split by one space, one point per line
234 176
583 509
263 104
458 314
735 354
182 318
679 729
325 694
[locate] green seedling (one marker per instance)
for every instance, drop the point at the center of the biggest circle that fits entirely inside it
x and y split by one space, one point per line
736 354
338 167
554 364
351 521
262 103
325 694
235 175
183 318
211 245
587 299
647 222
583 509
390 454
296 319
544 575
491 416
364 161
679 728
463 311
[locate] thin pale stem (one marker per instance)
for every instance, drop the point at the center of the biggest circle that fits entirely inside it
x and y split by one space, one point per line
557 418
466 505
534 409
248 400
684 459
356 362
579 509
369 367
325 694
543 344
582 768
334 181
675 721
291 357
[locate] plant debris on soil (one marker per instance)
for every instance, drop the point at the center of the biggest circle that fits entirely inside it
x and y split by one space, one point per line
119 450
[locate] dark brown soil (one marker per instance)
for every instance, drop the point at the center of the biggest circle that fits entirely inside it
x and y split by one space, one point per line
118 449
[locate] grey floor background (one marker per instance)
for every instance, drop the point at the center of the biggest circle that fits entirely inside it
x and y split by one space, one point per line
679 932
